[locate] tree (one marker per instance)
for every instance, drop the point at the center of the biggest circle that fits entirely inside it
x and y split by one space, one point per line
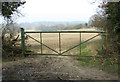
98 21
9 40
109 18
9 8
113 12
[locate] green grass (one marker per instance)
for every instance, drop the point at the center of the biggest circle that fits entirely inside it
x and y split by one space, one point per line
86 60
115 70
108 63
29 50
91 48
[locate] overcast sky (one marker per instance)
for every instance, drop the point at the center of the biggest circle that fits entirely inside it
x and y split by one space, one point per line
57 10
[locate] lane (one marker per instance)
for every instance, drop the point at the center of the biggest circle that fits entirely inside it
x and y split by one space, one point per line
36 67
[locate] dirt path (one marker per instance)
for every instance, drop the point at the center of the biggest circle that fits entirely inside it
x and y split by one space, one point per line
51 68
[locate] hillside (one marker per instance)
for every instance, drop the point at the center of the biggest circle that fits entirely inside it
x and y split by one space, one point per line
53 25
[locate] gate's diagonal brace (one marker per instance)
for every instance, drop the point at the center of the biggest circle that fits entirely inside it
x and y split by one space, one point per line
80 44
42 44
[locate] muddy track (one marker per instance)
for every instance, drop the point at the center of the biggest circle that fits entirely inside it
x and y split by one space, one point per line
51 68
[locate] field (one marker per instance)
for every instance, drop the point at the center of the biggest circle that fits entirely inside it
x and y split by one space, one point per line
68 40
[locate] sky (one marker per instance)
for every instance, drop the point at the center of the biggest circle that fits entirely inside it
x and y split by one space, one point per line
57 10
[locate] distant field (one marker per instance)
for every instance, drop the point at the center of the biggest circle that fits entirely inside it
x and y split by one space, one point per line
67 41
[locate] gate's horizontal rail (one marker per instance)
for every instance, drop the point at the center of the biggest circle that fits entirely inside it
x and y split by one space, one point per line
64 32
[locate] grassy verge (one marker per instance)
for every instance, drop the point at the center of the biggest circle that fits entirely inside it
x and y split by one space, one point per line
108 63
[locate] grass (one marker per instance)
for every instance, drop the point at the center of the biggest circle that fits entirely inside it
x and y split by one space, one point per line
100 63
115 70
108 63
91 48
29 50
86 60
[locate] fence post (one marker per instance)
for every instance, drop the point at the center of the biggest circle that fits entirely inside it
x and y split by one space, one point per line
106 32
103 43
80 43
41 42
59 43
22 41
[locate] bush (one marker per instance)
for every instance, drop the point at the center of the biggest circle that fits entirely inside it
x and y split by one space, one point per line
10 40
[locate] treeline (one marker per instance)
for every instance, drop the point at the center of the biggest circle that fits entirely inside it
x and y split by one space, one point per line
57 27
109 18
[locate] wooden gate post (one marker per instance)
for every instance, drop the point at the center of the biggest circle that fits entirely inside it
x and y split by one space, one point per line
103 44
41 42
22 41
80 43
106 32
59 44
